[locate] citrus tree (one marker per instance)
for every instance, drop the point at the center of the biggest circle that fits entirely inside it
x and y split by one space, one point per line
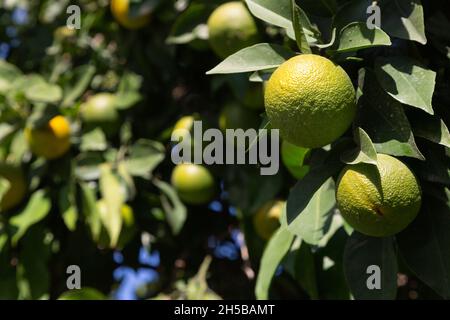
358 91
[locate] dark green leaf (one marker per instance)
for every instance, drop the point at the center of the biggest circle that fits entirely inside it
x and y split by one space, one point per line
360 253
175 210
406 81
425 246
357 36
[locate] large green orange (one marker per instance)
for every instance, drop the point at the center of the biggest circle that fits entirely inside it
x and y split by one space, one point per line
194 183
17 186
310 100
231 28
122 13
378 200
50 141
267 219
99 111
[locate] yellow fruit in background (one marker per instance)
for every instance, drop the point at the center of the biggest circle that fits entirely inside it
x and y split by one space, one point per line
52 140
121 12
231 28
267 219
194 183
378 200
17 186
310 100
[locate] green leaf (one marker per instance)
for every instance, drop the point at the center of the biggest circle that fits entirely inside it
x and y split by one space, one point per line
4 187
8 73
67 206
400 18
82 294
90 210
357 36
360 253
313 222
404 19
406 81
301 197
365 152
425 246
261 56
431 128
113 195
300 37
43 92
144 157
175 210
128 92
82 77
37 209
293 158
384 120
278 13
94 140
276 249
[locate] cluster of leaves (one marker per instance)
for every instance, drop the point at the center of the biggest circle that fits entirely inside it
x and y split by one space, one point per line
402 72
157 74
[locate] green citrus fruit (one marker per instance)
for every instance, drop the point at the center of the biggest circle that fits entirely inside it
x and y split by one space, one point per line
231 28
128 228
194 183
267 219
378 200
51 141
99 111
17 186
234 116
310 100
293 158
121 11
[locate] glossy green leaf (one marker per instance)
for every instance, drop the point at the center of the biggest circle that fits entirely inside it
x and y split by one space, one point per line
406 81
261 56
300 37
357 36
365 152
313 222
